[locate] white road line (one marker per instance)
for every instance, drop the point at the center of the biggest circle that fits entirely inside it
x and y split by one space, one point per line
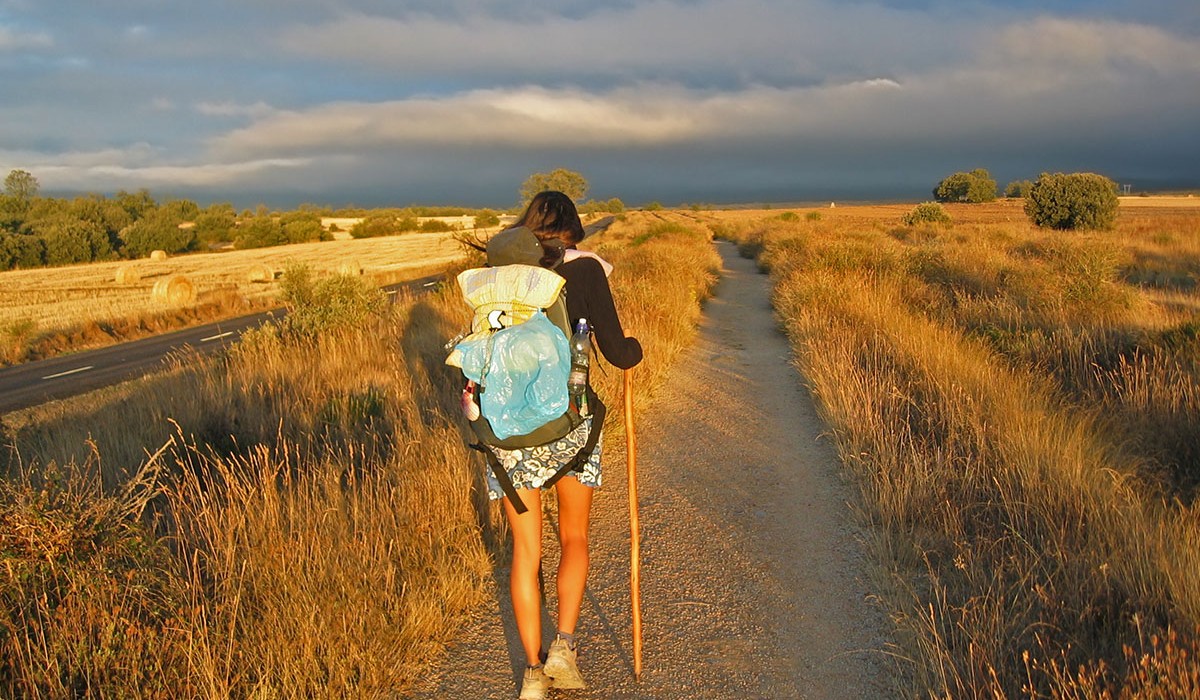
70 371
216 337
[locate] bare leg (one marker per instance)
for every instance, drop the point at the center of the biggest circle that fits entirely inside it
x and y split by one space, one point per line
574 514
523 583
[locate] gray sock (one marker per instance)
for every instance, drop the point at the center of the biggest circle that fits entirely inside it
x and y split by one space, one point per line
568 638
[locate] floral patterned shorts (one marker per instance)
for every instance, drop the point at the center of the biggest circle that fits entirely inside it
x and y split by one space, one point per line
530 467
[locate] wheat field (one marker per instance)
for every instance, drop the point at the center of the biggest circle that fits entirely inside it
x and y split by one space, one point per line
64 301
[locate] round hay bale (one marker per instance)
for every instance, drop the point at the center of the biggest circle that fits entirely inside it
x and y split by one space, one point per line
350 267
261 273
127 275
158 255
175 290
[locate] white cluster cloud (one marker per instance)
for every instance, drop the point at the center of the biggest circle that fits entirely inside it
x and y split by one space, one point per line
1031 72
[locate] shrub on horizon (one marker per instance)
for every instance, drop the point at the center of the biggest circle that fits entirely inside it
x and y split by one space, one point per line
975 187
1072 201
927 213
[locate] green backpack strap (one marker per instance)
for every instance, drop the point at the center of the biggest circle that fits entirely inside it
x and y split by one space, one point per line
599 411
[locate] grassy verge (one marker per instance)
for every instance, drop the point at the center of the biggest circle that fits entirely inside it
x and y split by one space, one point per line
1020 410
300 518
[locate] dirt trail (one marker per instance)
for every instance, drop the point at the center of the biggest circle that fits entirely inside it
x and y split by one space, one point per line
752 576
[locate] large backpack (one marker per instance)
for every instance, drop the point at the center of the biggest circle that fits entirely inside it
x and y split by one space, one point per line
516 358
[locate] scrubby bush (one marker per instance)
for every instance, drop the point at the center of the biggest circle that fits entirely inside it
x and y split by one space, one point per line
975 187
302 227
486 218
1072 201
260 232
435 226
927 213
812 216
789 216
374 226
319 306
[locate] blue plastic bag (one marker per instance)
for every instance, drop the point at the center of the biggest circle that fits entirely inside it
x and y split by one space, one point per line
523 371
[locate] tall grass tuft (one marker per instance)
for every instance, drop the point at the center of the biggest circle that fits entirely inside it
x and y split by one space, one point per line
981 382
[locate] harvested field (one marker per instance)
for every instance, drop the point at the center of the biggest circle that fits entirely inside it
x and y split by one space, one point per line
58 299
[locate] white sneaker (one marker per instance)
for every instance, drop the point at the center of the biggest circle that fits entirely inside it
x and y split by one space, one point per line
534 685
561 666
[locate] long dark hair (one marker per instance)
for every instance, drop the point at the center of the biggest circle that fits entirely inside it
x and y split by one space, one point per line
552 214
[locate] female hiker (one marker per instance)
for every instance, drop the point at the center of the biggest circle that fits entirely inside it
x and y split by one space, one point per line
552 217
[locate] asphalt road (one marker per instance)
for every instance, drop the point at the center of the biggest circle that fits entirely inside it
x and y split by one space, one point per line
34 383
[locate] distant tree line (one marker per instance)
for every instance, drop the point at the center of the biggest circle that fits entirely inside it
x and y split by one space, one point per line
38 231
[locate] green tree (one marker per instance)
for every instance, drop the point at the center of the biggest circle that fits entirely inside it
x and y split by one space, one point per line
160 229
562 180
136 203
1072 201
1018 188
216 223
260 232
21 250
975 187
21 186
70 239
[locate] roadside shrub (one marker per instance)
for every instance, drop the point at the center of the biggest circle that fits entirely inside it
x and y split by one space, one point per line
975 187
319 306
927 213
1072 201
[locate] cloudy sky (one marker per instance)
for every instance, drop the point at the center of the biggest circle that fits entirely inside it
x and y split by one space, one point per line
391 102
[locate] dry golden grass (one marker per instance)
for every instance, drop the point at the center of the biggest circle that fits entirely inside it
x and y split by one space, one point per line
299 519
1020 410
49 301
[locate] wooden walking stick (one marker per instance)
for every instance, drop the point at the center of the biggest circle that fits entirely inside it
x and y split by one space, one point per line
635 563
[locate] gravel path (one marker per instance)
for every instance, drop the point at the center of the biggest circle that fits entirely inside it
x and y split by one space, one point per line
752 576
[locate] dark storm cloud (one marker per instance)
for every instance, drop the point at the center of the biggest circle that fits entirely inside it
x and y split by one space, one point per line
461 99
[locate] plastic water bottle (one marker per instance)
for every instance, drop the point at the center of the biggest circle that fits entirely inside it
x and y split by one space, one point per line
577 380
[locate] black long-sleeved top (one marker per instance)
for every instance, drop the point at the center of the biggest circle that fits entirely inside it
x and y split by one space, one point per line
589 296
